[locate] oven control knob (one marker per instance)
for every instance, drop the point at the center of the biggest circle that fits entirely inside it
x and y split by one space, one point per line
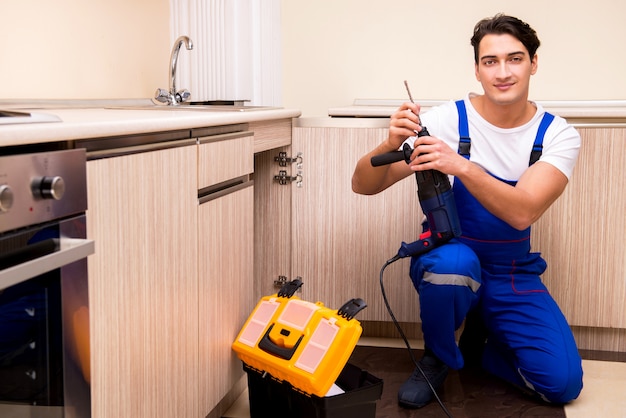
6 198
51 188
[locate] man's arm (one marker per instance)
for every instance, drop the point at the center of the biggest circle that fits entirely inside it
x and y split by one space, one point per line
371 180
519 206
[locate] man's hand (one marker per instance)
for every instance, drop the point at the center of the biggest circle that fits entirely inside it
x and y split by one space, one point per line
366 179
431 153
404 123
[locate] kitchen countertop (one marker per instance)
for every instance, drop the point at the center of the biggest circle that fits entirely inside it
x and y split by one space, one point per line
84 120
577 112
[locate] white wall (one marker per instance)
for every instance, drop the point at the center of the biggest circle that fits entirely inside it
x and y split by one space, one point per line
333 51
83 49
337 50
236 53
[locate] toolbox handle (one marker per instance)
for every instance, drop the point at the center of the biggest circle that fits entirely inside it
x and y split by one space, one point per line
267 345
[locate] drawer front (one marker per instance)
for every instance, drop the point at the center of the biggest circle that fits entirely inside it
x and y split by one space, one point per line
271 134
224 157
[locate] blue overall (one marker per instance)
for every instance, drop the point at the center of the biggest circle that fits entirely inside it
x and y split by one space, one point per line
490 268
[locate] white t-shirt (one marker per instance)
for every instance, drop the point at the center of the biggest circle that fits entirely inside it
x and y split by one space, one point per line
505 153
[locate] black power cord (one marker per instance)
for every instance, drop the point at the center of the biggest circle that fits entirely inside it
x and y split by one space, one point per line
406 341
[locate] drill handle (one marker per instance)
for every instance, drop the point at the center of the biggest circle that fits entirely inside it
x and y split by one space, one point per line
395 156
387 158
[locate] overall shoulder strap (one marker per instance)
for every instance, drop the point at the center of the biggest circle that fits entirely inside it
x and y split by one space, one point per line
535 154
465 142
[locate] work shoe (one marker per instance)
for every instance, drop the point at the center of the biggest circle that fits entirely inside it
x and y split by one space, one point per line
415 392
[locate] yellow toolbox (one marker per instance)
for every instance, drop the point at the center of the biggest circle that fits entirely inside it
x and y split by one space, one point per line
303 343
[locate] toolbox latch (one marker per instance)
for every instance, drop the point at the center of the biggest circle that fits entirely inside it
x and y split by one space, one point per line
290 288
351 308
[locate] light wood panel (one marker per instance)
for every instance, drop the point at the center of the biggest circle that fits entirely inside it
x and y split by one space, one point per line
163 320
223 160
340 239
587 338
272 206
602 339
272 224
271 134
143 283
582 235
226 236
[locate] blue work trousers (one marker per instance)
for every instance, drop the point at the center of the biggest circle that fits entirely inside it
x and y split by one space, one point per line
529 342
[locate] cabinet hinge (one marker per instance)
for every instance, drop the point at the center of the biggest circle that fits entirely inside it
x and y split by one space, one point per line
281 280
282 159
283 178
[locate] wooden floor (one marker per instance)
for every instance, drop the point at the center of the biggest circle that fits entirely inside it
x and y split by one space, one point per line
465 393
473 393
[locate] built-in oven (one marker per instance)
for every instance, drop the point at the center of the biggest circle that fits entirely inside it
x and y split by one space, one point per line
44 300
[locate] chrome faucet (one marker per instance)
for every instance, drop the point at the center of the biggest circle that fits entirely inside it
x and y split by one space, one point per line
174 96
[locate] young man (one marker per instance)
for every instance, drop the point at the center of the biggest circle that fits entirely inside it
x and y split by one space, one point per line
488 274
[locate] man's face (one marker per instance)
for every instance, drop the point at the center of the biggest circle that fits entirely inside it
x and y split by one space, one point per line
504 68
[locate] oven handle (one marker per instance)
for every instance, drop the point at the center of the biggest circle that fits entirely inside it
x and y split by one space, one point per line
71 250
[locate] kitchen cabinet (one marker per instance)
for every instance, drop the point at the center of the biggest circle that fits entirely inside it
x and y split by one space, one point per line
225 291
225 249
582 234
172 279
271 134
272 206
339 240
143 283
272 223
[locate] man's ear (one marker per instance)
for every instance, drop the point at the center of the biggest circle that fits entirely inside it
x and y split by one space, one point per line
533 65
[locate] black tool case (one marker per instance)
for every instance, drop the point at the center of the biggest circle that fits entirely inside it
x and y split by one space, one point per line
279 399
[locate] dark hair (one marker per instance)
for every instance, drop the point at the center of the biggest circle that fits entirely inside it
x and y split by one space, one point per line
503 24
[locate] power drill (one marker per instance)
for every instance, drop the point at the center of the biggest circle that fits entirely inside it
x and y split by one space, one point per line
436 200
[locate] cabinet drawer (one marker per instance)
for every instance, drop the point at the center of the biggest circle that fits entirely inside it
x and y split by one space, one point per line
224 157
271 134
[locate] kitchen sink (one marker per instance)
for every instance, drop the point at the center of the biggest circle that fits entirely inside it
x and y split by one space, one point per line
199 106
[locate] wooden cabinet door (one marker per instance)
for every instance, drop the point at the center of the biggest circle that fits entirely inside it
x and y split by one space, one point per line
582 235
340 240
226 243
143 282
272 224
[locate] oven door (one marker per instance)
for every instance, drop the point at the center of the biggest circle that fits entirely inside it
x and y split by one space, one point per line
44 321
